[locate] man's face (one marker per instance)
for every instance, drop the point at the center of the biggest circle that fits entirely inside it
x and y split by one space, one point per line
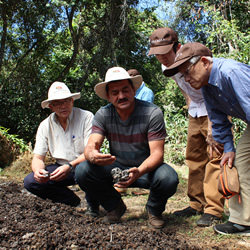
121 94
62 107
166 59
196 74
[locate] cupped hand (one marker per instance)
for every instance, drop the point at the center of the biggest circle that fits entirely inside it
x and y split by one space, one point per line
60 173
41 176
134 174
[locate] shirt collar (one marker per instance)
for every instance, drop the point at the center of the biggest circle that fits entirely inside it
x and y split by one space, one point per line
214 73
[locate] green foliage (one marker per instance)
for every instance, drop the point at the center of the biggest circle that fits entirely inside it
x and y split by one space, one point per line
77 41
238 128
221 25
70 41
176 126
176 121
10 147
105 147
18 145
225 35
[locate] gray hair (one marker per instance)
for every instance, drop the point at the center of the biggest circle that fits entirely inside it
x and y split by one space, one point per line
195 59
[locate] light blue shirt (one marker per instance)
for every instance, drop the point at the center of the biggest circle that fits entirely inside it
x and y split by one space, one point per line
144 93
227 93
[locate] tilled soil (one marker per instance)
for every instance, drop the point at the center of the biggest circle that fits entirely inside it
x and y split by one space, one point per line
28 222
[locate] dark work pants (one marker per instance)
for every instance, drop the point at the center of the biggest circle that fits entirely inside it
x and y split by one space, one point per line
57 191
98 182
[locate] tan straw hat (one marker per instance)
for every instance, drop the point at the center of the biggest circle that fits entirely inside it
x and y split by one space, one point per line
58 91
113 75
185 53
162 41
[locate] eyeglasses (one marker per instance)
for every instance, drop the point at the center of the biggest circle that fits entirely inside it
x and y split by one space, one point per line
60 103
186 73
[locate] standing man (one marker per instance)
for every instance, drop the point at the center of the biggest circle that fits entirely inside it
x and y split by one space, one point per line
225 85
136 133
64 134
203 154
143 92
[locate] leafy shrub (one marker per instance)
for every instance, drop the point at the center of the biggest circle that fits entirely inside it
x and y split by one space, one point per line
238 128
10 147
176 140
105 147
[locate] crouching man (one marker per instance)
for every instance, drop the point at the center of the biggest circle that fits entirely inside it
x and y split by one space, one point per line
64 134
136 133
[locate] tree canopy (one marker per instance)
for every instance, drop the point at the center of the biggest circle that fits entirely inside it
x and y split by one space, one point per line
76 41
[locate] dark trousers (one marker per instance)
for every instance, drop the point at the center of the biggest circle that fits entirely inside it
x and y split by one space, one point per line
57 191
98 183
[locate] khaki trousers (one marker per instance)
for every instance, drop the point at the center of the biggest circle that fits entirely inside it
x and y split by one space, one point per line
240 212
203 172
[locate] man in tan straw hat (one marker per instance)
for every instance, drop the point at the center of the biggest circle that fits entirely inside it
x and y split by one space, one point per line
64 134
203 154
225 85
136 133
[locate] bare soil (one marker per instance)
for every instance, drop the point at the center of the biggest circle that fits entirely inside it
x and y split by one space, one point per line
28 222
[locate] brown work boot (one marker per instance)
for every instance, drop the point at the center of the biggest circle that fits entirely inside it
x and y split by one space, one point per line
115 215
156 221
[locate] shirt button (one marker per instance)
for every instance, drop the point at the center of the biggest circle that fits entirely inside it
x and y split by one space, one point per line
219 95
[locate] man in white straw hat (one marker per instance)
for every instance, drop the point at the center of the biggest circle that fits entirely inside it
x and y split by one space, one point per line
64 134
136 133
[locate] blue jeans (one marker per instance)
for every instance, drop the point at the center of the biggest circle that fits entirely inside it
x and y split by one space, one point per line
57 191
98 183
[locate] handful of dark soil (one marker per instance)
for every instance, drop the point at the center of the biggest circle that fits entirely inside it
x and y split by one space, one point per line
119 175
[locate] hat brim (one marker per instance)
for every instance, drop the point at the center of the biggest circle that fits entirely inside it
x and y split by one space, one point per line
173 69
75 96
100 88
160 50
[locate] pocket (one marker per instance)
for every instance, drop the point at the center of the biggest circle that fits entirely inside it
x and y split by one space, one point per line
78 144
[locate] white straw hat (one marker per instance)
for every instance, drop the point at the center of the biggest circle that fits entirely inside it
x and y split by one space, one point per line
57 91
116 74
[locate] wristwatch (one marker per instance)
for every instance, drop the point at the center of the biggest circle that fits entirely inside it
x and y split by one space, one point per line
72 169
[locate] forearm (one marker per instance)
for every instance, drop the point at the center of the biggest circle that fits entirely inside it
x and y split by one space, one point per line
93 146
151 163
88 151
209 127
78 160
37 163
